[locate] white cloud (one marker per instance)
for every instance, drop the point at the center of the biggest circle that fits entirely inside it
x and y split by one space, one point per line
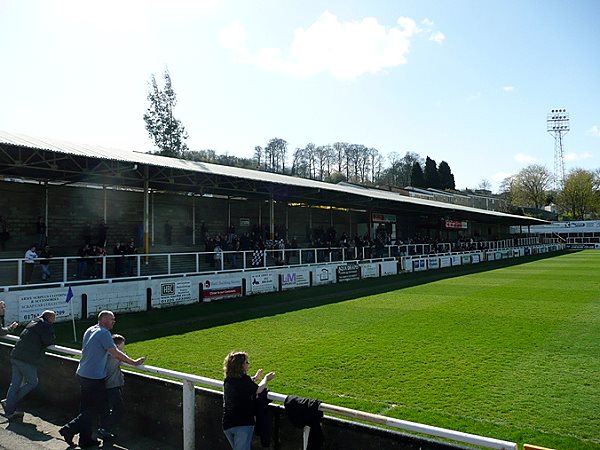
346 50
523 158
438 37
427 23
508 88
578 156
594 131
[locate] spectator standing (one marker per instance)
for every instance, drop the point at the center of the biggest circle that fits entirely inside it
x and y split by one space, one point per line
239 395
30 256
45 254
83 252
40 229
25 357
3 328
130 250
91 373
2 312
100 255
114 398
119 251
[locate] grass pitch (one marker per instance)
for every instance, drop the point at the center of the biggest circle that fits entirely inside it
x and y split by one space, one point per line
512 353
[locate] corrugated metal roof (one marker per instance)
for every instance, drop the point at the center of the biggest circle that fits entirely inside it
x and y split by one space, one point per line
94 151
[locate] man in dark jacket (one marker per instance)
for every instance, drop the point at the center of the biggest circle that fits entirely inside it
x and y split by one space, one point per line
25 357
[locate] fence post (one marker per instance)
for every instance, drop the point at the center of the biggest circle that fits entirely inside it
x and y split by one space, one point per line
169 263
65 270
189 410
20 272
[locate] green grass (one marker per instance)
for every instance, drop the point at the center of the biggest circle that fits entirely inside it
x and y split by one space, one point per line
512 353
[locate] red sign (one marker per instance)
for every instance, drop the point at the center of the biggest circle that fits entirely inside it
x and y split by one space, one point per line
455 225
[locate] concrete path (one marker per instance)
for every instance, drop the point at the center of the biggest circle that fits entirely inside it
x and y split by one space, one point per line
38 430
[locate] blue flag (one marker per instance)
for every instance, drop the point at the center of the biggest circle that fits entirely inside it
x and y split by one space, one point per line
69 294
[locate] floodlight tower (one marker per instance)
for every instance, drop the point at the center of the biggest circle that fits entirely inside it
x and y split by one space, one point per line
558 125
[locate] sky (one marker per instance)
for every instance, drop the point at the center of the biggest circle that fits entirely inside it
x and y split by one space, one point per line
469 82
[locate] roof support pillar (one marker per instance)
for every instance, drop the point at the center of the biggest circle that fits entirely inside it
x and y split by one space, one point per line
193 220
105 202
46 211
146 210
272 217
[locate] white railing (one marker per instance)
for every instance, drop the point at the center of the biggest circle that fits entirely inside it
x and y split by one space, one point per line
189 407
75 269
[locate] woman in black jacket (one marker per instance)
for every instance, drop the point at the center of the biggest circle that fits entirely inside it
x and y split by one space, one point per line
239 395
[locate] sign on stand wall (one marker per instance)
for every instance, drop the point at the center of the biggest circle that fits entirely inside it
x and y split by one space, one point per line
174 292
261 282
348 272
323 275
291 279
369 270
389 268
32 304
217 287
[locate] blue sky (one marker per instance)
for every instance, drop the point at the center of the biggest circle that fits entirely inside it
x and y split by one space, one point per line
469 82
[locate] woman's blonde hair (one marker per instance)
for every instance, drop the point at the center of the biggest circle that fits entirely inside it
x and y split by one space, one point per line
233 366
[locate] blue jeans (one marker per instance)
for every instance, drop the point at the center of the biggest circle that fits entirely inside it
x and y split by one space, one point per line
240 438
45 271
24 380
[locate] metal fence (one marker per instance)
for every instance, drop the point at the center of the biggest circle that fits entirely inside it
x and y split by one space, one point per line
74 269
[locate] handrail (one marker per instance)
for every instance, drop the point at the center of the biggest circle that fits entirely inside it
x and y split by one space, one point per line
130 266
189 408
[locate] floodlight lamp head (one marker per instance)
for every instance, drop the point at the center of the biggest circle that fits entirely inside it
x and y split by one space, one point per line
558 121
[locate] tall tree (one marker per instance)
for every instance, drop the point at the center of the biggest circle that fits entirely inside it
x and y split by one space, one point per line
275 154
530 186
432 177
446 178
164 129
580 196
485 185
258 155
417 179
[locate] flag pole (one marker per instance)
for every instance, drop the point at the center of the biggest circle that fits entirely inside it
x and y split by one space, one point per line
69 298
73 320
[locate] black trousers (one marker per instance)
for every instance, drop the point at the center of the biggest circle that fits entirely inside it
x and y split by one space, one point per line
92 403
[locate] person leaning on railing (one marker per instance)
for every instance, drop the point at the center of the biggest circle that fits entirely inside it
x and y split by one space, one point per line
239 395
5 330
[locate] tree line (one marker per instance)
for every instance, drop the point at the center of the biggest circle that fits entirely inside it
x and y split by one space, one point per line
340 161
577 199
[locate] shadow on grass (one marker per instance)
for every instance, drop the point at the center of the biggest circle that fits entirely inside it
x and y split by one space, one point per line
158 323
